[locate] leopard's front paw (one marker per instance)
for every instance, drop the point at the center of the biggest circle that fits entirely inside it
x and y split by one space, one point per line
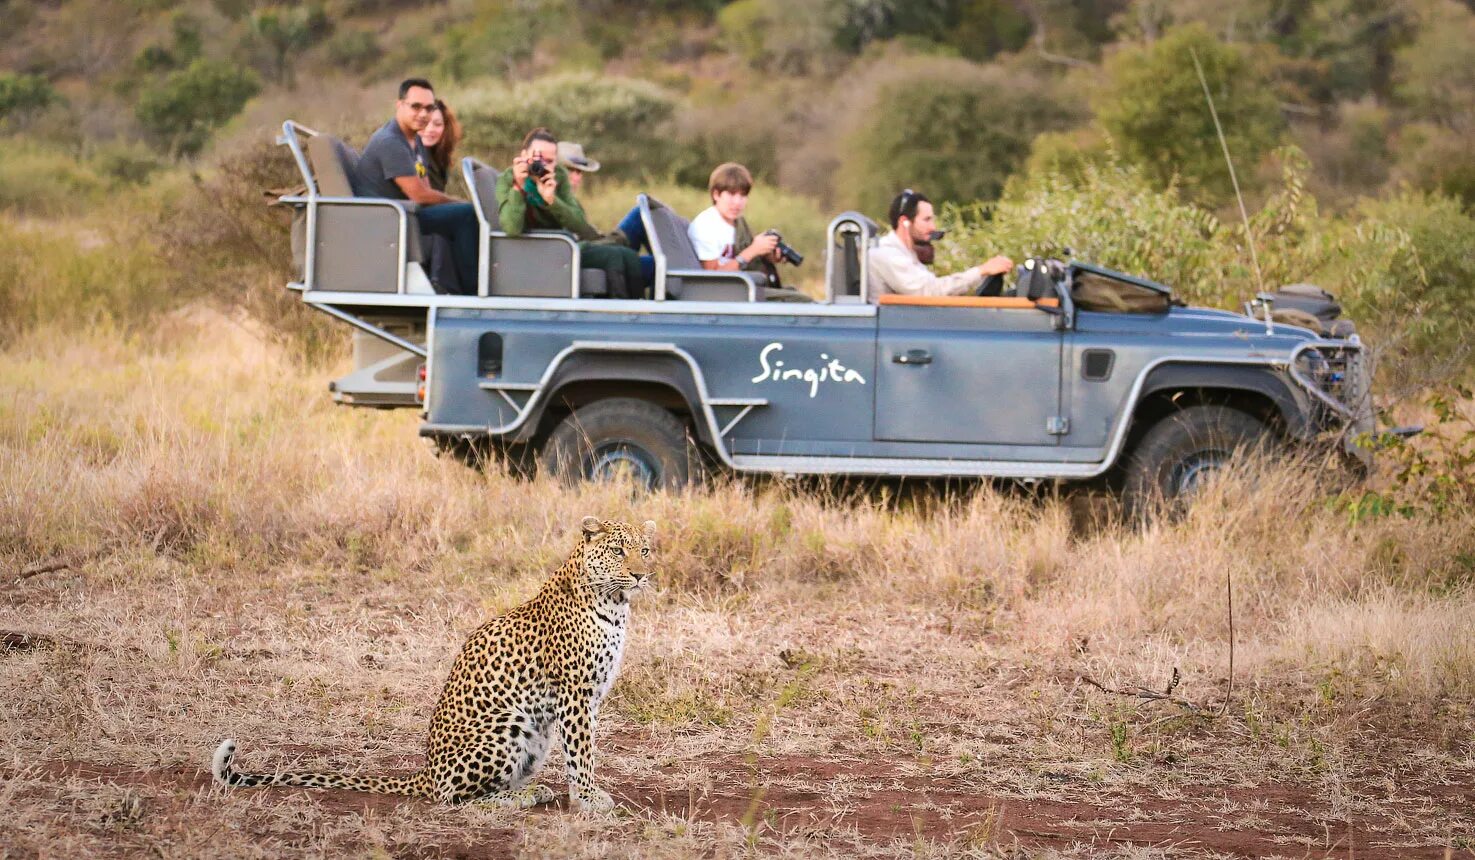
591 800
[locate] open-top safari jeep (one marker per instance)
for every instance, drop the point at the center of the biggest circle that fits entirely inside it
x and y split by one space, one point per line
1047 381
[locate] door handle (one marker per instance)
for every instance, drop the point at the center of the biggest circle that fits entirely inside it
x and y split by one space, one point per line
912 356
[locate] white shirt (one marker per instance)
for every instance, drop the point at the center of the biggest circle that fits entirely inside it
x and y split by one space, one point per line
712 237
894 268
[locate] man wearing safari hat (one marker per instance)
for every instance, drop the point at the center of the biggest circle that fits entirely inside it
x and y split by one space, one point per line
571 157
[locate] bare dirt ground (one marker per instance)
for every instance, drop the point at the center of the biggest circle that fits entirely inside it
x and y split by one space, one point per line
194 545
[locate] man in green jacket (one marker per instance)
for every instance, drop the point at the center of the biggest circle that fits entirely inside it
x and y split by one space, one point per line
536 195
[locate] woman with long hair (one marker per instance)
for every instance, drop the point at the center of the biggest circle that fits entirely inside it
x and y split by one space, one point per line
441 136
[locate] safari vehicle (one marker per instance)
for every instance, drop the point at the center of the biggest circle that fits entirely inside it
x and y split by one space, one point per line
717 369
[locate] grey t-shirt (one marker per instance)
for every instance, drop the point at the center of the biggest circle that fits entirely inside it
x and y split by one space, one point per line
389 155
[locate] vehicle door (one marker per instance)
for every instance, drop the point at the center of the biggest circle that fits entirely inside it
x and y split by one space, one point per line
968 370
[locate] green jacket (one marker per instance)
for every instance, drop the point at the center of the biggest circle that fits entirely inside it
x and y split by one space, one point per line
516 213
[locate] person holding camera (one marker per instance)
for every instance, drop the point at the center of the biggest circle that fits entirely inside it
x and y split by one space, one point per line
721 236
899 261
536 195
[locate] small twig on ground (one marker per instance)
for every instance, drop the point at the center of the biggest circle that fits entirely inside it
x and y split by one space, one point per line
65 562
1148 694
45 567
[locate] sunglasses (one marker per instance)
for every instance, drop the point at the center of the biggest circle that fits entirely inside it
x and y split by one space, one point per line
416 107
908 199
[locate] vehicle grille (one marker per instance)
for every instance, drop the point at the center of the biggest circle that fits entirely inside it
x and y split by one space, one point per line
1337 372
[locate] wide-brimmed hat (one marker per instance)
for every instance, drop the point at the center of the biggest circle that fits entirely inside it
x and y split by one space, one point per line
571 155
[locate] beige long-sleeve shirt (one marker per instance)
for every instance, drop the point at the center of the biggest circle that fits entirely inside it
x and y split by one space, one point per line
895 269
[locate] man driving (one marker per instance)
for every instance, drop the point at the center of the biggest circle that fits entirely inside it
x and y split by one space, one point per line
899 261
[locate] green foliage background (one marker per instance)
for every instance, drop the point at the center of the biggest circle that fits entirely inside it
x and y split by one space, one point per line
146 128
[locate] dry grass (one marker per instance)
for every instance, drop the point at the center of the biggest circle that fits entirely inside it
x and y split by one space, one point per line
819 675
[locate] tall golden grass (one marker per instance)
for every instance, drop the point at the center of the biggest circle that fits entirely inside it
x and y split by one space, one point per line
204 443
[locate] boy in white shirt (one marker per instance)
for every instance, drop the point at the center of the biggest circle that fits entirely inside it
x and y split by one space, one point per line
721 237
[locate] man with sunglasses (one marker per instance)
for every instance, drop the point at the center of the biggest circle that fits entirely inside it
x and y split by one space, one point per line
898 263
393 165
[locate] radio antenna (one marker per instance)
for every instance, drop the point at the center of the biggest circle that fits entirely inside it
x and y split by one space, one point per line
1234 179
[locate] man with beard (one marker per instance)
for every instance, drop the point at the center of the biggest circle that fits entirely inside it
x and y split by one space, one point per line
898 263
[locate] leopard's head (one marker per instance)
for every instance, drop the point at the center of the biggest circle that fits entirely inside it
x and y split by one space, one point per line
617 556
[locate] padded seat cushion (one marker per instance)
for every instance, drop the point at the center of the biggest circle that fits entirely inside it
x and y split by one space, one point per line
592 284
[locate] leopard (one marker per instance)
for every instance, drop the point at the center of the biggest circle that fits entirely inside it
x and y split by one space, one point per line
536 674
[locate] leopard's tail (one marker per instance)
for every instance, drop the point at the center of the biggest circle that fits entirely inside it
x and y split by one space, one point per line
413 785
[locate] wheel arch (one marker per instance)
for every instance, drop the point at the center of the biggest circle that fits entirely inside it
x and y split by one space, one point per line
665 378
1254 389
1257 390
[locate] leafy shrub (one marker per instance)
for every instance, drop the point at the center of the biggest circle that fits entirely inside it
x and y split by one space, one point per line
1153 107
354 50
22 94
1425 243
621 122
128 163
281 32
950 128
788 36
1401 267
189 105
1437 159
1435 73
498 37
1110 214
220 241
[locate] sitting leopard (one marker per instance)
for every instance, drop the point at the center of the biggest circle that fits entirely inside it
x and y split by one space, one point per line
544 666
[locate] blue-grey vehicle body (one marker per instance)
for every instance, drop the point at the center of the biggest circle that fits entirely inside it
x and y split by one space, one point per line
838 385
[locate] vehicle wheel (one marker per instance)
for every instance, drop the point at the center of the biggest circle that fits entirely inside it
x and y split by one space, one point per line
1173 459
622 436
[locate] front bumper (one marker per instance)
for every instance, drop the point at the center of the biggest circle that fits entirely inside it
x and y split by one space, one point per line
1337 374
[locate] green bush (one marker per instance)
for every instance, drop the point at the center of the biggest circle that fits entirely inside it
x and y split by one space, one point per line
280 33
1110 214
1152 104
184 110
950 128
621 122
786 36
354 50
498 37
1438 159
22 94
1401 266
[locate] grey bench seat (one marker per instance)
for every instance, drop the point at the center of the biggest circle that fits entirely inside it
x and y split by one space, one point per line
537 263
679 273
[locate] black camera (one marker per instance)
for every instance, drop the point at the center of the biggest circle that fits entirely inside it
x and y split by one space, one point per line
793 257
538 168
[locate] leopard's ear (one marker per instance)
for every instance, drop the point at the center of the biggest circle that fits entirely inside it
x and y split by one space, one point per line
649 527
592 526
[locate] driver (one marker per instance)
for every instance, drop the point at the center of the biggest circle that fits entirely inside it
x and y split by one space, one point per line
899 261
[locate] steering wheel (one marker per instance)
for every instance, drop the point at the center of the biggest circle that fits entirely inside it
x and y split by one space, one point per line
992 285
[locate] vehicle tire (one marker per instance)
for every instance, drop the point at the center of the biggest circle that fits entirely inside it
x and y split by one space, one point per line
622 435
1180 451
